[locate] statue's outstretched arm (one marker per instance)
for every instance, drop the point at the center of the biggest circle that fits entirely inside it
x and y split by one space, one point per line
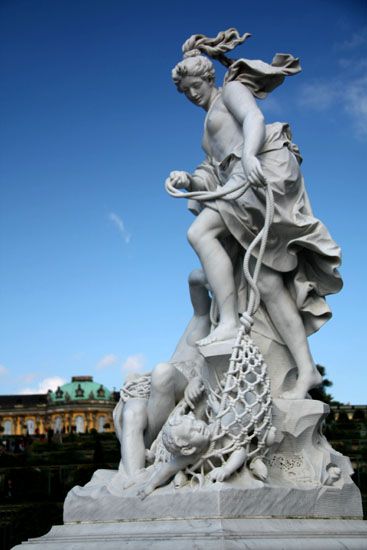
162 474
235 461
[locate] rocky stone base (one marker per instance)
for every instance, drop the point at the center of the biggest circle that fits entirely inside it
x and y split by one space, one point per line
101 500
299 484
206 534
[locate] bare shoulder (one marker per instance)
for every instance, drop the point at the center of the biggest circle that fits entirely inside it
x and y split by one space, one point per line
238 99
234 90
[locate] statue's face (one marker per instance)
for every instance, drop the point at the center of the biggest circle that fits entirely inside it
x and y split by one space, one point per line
197 90
195 433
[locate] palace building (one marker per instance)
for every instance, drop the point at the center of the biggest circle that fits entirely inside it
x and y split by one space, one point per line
77 406
82 405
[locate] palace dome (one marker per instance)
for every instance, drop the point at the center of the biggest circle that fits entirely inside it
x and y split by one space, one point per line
81 388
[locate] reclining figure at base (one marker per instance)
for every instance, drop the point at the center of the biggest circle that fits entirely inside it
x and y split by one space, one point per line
239 431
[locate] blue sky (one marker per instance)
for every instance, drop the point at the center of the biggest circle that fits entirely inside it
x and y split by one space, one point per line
94 257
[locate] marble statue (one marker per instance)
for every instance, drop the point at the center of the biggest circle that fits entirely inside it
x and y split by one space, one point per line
225 432
232 402
299 265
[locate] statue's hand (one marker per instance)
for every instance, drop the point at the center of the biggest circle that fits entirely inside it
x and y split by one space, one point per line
149 456
218 474
213 403
193 391
179 179
253 170
144 490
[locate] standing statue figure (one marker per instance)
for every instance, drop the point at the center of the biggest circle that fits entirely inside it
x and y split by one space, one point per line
220 445
299 267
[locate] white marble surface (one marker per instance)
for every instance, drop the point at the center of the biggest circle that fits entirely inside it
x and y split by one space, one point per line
206 534
298 484
247 498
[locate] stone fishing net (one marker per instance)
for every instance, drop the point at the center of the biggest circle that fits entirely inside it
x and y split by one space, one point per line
240 407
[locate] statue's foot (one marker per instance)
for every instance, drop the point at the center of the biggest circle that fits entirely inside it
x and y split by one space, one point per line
127 482
200 329
221 333
303 384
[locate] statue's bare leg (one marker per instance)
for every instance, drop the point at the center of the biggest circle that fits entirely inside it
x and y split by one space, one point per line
134 422
204 236
167 389
288 322
199 325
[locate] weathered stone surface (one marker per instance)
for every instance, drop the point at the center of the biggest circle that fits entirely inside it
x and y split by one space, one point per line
242 497
303 456
207 534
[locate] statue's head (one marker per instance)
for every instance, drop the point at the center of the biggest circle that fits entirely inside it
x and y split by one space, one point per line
194 76
197 66
193 64
183 434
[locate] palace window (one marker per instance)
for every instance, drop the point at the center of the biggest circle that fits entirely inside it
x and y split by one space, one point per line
79 392
101 422
101 392
80 425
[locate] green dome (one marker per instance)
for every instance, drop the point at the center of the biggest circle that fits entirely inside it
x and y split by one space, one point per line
81 388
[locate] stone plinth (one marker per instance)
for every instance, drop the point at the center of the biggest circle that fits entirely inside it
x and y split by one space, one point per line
206 534
244 497
299 482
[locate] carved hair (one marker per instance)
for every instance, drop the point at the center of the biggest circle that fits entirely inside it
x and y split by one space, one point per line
168 439
195 64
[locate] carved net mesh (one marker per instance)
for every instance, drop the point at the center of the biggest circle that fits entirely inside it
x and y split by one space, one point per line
137 387
240 406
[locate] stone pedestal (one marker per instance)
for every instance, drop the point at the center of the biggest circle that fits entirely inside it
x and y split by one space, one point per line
209 533
244 497
299 483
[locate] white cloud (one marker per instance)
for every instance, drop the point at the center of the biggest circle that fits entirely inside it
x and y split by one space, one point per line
347 93
44 385
118 222
133 363
3 370
355 103
347 90
319 95
356 40
107 361
353 65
